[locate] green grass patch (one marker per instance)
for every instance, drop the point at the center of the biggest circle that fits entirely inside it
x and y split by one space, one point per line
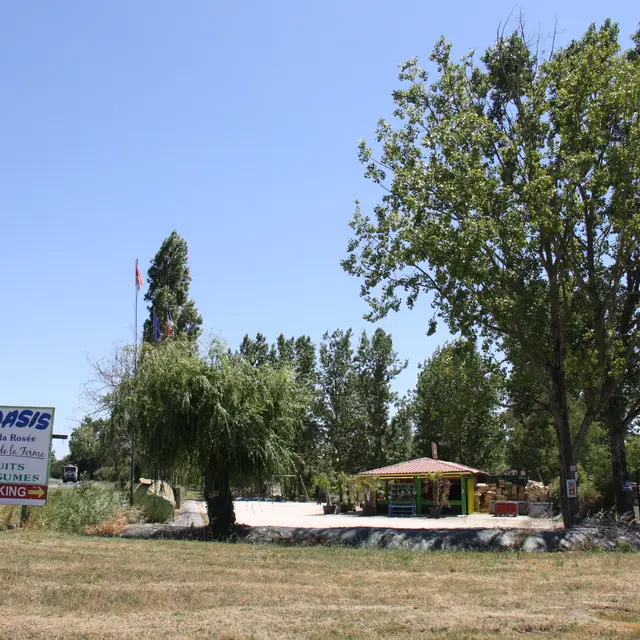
68 586
72 510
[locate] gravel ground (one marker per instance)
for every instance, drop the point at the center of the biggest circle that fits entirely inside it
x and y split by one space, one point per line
304 524
310 515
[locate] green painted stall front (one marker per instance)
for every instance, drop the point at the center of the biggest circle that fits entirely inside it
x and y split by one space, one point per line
461 495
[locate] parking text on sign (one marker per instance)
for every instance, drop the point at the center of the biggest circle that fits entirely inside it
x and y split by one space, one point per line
23 491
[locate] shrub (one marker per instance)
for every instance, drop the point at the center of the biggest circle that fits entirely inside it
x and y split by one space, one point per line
74 510
106 474
114 526
326 483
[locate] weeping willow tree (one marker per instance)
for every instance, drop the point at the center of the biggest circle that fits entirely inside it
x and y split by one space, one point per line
234 423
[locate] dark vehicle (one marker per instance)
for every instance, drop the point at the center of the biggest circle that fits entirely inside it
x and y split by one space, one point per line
70 473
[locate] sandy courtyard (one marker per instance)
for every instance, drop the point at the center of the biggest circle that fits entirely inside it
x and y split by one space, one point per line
309 515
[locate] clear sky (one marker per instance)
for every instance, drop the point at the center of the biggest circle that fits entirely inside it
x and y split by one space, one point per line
235 123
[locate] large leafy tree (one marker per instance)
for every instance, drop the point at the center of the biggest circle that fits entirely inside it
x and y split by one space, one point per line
531 445
356 401
169 280
300 355
400 433
87 445
111 395
232 422
255 350
340 410
96 443
457 406
513 200
377 365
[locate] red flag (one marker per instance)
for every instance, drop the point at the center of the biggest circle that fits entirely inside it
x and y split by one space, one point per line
138 279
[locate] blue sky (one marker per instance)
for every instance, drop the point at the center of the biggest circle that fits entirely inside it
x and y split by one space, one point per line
235 123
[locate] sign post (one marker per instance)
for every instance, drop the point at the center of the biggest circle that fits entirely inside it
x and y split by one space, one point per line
25 454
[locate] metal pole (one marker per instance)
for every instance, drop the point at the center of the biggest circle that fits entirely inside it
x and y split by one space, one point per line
135 371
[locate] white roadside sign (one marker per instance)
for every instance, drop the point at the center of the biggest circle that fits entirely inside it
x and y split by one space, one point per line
25 453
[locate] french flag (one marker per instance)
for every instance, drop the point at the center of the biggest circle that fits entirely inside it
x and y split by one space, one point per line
169 323
139 281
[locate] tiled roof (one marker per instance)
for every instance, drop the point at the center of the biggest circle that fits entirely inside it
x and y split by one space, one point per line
418 466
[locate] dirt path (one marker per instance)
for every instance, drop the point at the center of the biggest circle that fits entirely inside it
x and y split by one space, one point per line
192 513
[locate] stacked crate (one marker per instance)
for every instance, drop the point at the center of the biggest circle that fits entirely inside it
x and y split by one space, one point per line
536 492
486 494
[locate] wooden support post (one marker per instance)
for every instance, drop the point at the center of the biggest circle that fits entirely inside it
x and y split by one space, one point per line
471 494
463 497
419 496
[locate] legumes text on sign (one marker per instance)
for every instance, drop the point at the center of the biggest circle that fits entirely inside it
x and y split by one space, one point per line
25 452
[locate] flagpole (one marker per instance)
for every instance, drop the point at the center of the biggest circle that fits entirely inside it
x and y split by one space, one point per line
135 373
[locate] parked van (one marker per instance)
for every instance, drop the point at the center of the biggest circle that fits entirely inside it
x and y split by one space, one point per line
70 473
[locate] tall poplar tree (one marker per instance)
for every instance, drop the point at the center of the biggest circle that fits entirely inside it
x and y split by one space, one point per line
377 365
169 280
340 410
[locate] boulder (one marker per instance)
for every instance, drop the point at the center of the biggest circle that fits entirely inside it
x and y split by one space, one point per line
156 500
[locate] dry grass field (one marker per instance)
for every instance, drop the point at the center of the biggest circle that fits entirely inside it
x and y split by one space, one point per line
56 586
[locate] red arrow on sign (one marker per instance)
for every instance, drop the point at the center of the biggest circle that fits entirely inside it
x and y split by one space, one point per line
23 491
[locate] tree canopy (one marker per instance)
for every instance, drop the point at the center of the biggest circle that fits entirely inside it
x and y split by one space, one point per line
512 199
85 446
457 406
340 411
233 422
377 365
169 281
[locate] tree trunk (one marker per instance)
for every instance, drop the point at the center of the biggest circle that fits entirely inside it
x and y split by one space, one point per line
570 506
222 517
619 472
567 453
560 405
